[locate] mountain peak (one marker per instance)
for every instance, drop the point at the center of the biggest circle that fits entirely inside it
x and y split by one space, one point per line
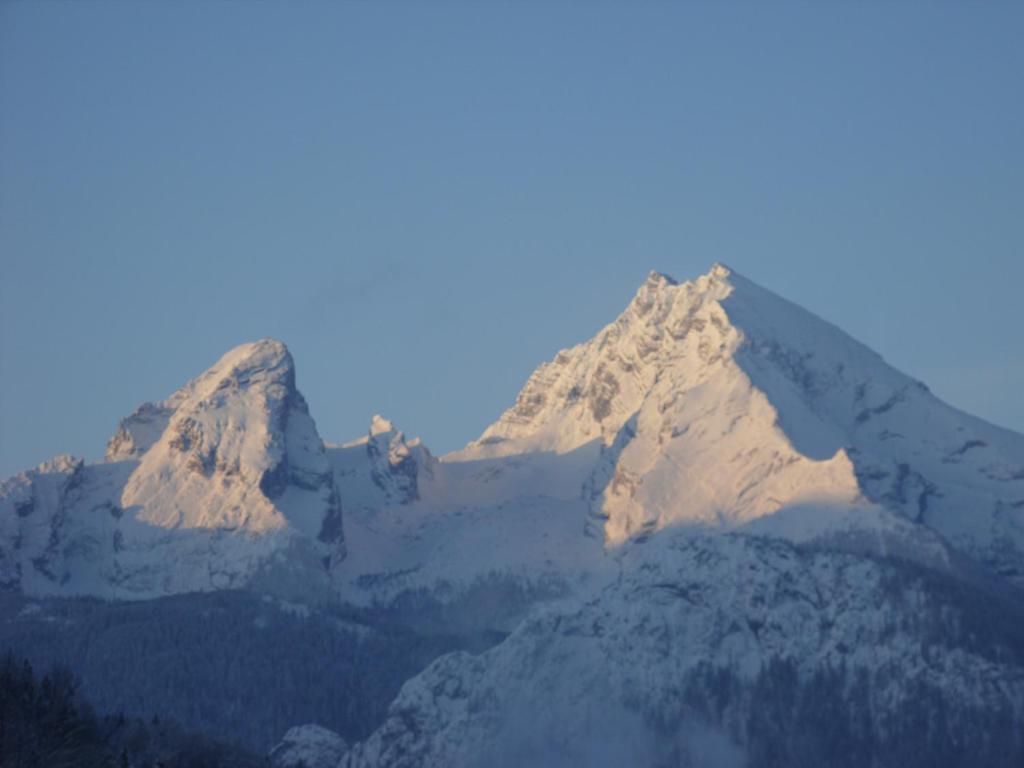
591 390
379 425
235 448
265 360
720 271
262 352
244 361
392 466
661 298
660 278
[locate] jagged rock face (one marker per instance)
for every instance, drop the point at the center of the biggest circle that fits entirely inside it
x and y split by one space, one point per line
308 746
590 391
684 643
205 490
383 468
395 468
715 402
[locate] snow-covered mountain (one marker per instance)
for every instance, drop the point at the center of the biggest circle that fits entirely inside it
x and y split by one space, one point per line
709 404
715 403
225 480
717 496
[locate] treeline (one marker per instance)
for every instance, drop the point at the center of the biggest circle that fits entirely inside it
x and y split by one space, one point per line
45 722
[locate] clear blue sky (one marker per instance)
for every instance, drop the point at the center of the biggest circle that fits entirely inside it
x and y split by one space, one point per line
427 200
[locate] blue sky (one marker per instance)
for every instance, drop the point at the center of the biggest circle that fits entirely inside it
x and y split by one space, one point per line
425 201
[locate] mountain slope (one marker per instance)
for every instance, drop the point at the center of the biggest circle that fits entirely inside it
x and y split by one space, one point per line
730 650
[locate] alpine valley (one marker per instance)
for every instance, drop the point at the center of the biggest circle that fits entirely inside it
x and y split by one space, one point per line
719 533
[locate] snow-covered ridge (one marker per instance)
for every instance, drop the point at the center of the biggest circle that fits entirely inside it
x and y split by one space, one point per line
709 404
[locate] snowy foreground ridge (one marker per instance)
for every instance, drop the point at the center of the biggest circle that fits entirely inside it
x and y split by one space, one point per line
717 490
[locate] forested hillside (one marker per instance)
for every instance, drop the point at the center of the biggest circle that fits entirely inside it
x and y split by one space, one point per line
46 721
